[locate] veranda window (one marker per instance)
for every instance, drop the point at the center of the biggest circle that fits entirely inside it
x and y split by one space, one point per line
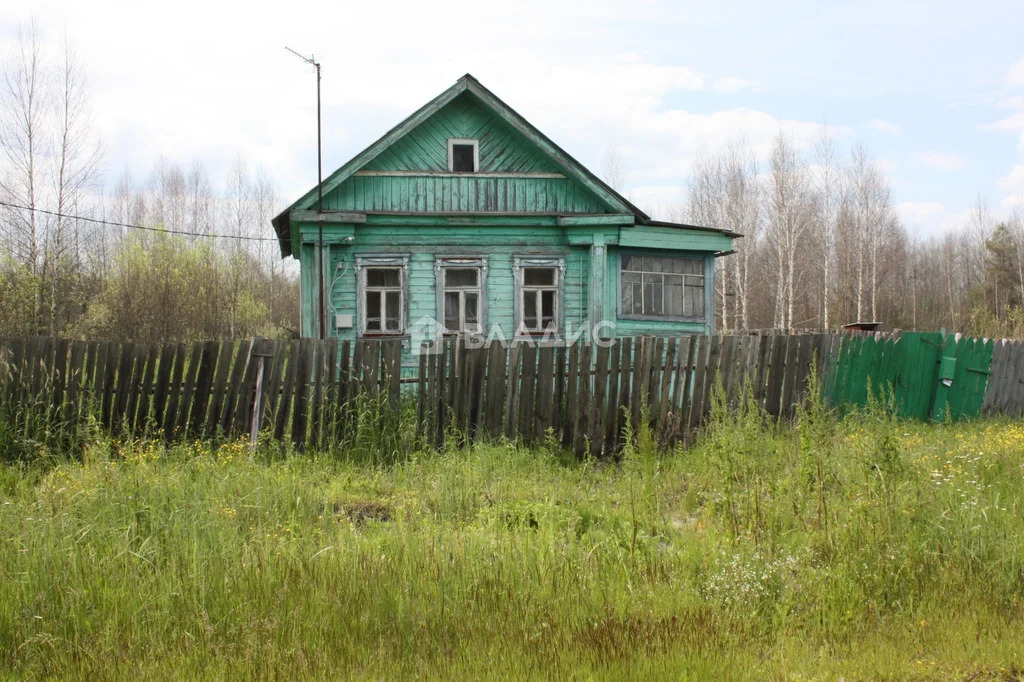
662 287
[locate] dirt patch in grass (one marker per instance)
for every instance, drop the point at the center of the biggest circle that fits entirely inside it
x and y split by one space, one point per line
361 511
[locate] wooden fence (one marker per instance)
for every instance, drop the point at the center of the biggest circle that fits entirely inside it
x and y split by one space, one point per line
306 391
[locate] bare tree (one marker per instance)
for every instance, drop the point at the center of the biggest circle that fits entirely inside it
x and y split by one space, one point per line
77 150
22 125
706 195
742 215
829 187
874 213
614 171
789 218
200 199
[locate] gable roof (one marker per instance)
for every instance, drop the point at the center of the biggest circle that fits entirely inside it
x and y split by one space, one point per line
467 83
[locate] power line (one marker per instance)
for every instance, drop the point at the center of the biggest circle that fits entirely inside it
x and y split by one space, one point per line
137 227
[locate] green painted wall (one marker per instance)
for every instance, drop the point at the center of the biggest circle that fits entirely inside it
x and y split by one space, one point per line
426 185
586 294
423 245
502 148
520 202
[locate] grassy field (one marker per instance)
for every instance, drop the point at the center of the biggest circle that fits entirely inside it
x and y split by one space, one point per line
863 548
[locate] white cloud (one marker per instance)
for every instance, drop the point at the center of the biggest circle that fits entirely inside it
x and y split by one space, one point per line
1015 77
1011 123
943 161
661 202
886 126
1013 184
930 218
916 213
887 166
731 84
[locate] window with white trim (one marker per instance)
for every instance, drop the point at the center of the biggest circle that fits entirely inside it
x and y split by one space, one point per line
382 293
463 155
661 286
539 296
461 282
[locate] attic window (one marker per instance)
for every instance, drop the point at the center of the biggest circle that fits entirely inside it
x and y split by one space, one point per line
463 156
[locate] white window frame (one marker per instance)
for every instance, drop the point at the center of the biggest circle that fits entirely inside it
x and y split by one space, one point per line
363 265
443 263
622 314
452 141
519 265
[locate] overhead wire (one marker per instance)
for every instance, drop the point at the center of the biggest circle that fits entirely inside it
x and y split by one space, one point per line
164 230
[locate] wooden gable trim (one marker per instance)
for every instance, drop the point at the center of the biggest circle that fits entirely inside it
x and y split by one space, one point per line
447 174
389 138
573 168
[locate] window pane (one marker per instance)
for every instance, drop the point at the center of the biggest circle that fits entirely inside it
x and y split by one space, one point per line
451 310
673 295
382 277
472 308
693 304
538 277
462 158
530 310
460 277
630 277
693 266
393 311
547 309
627 263
627 296
657 298
373 311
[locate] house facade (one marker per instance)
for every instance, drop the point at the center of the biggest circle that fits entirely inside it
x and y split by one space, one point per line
465 219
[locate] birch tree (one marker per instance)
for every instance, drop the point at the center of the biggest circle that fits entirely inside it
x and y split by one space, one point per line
22 131
706 207
829 188
788 204
742 215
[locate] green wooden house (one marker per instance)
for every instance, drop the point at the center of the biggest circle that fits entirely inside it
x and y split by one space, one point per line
465 219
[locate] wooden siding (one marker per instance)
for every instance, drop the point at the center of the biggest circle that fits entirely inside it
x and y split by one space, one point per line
425 150
502 148
462 193
422 244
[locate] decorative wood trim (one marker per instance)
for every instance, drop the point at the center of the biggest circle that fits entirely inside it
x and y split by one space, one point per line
450 174
327 217
613 219
552 261
452 141
362 261
459 261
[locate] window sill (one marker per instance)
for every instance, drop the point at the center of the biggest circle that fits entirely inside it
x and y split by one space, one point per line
383 337
664 318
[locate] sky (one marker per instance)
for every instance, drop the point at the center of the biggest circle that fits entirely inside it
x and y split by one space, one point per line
934 89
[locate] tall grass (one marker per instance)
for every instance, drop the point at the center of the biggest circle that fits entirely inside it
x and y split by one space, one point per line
858 548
